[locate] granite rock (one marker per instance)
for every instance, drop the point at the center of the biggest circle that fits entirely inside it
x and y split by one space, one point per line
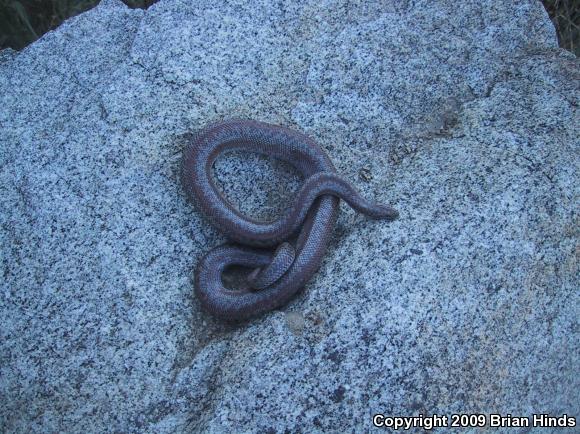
461 114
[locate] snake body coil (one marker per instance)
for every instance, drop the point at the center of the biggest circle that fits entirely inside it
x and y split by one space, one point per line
277 275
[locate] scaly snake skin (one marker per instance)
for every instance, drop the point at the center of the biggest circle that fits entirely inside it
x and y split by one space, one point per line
278 275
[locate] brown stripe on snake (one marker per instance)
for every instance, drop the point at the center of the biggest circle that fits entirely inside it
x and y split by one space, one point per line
278 275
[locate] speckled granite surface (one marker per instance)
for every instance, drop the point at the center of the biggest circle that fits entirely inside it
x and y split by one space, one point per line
462 115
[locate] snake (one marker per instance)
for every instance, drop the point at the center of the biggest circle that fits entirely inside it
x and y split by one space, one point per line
282 254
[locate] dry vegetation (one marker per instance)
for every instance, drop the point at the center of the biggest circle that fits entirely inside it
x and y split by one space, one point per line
24 21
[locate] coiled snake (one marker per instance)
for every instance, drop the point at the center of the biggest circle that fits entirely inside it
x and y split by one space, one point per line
278 275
